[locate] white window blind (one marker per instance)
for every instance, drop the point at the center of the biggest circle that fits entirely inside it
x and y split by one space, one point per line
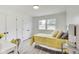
42 24
47 24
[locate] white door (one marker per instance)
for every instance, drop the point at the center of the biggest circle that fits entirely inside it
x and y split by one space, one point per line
11 27
19 27
27 25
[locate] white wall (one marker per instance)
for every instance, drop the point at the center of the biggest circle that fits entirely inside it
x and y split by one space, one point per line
60 22
2 23
8 24
10 27
73 15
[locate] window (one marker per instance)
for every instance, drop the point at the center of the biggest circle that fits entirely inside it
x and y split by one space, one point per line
49 24
42 24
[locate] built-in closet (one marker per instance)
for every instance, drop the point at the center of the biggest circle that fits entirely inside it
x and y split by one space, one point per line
15 26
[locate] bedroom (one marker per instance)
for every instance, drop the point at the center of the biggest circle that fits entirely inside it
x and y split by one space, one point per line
22 22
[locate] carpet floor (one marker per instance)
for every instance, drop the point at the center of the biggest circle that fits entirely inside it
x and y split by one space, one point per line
26 48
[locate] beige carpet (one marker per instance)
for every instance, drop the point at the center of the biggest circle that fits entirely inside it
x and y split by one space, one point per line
26 48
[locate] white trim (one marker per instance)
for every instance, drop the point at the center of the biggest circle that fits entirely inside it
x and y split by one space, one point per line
55 49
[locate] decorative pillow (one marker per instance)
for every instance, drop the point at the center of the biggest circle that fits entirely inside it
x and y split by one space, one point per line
14 41
55 33
59 34
1 35
65 36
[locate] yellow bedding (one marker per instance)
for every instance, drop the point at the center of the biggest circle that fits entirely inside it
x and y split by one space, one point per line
48 40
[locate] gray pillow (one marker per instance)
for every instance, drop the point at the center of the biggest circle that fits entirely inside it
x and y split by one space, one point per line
65 36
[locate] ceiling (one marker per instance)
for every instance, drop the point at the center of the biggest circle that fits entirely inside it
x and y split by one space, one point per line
28 10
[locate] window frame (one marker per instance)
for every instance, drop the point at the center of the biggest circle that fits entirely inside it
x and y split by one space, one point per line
52 24
39 24
46 20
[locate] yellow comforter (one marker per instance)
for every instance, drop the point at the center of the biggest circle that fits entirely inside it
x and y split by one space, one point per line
48 40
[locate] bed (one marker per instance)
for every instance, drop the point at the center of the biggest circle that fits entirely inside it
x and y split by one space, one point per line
48 41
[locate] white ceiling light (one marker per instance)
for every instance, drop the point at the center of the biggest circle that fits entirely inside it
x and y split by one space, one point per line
36 7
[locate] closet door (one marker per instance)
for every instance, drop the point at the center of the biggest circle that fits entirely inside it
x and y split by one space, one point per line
27 26
19 27
11 27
